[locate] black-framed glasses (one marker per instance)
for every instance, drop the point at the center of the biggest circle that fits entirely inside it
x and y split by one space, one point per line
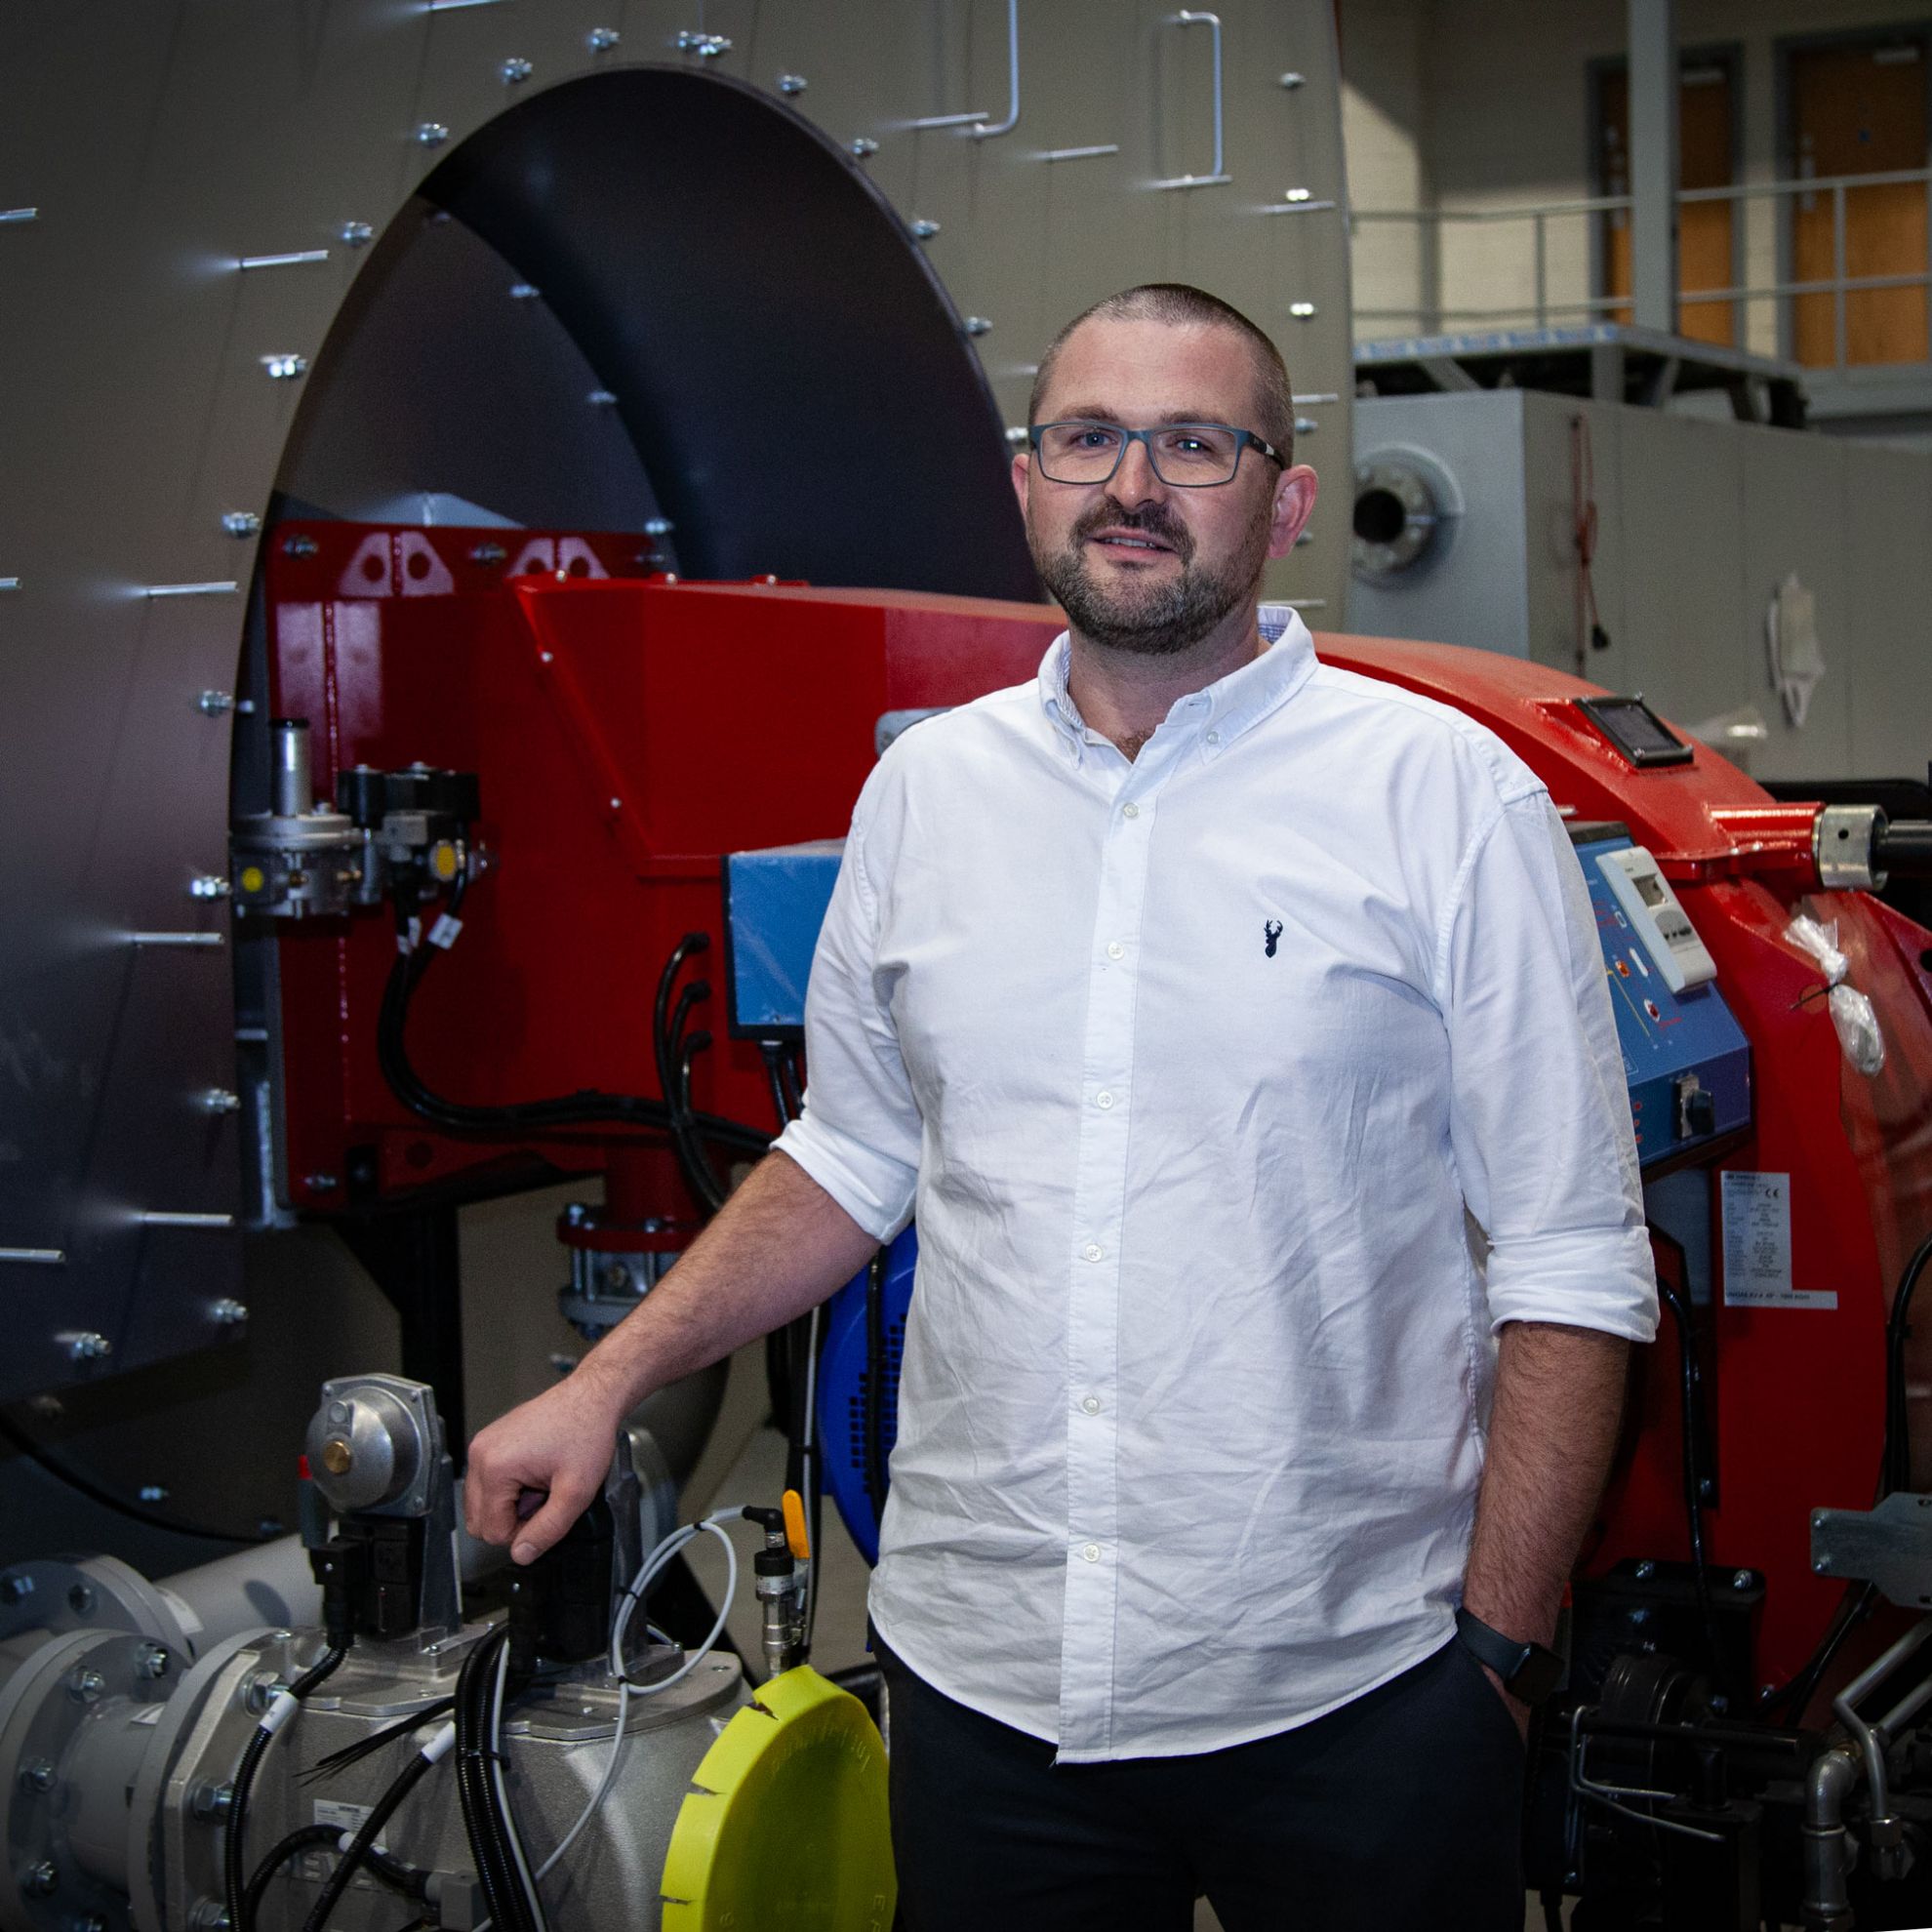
1185 456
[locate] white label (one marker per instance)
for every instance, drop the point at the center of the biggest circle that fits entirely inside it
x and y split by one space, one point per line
1757 1246
343 1816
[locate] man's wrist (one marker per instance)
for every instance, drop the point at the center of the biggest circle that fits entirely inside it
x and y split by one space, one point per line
1527 1670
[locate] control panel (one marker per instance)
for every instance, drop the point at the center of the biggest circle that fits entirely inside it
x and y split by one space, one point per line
1685 1057
775 903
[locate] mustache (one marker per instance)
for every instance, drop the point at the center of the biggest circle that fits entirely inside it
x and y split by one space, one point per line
1151 519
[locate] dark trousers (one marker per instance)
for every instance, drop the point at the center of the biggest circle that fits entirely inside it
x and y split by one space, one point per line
1399 1812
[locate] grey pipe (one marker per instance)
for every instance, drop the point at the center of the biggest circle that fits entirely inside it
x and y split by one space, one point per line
1872 1738
293 791
267 1584
1832 1778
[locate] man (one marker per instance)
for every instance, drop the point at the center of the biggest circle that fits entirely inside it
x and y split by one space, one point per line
1201 997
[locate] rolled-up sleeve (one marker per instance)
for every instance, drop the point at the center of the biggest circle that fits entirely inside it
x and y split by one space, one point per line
859 1137
1540 1120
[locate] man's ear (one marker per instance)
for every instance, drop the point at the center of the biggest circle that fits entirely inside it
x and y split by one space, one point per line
1022 471
1294 504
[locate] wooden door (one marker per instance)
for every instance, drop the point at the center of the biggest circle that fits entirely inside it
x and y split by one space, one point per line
1860 110
1705 228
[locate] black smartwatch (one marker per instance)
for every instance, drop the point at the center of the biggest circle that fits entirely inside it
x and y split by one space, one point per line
1529 1673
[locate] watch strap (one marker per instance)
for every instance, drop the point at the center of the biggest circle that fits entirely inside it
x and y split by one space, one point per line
1530 1672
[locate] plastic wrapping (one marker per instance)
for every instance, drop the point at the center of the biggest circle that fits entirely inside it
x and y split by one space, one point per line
1852 1014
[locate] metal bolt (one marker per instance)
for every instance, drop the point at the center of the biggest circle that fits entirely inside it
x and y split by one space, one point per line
153 1492
1743 1579
1645 1570
14 1587
36 1775
864 145
86 1686
431 134
1306 425
658 526
90 1921
924 230
792 83
41 1879
80 1599
524 291
299 547
576 1214
320 1183
355 234
1820 1565
88 1346
600 40
285 368
1301 311
218 1100
977 325
210 1801
212 704
515 70
488 553
1639 1616
601 398
156 1662
1292 81
227 1312
241 523
340 1411
209 1915
616 804
258 1691
706 46
207 885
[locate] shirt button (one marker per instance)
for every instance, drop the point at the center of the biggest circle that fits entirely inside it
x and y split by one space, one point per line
1116 950
1091 1404
1093 1251
1103 1100
1130 810
1091 1551
1214 738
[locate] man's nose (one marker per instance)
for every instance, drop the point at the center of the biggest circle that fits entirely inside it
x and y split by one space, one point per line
1135 481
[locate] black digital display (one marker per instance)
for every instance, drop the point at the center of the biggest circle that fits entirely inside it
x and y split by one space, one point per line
1636 731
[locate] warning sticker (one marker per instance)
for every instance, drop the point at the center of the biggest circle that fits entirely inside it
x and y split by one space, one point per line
345 1817
1757 1246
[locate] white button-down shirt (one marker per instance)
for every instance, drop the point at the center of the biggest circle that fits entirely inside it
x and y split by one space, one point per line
1200 1070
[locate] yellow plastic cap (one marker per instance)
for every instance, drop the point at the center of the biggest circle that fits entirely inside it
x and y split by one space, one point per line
797 1537
785 1827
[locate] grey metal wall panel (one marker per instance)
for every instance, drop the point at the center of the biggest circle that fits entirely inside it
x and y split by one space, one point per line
1885 513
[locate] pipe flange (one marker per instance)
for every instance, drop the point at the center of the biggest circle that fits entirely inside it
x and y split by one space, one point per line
98 1593
1401 504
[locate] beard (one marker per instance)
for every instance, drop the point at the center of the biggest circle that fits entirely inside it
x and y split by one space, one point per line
1157 618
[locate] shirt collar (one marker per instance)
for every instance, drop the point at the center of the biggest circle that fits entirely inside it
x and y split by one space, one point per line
1229 706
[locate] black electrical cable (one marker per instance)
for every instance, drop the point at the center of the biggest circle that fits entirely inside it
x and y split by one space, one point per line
366 1747
234 1884
26 1445
371 1829
875 1374
1691 1399
482 1822
588 1107
773 1053
794 1094
1898 1328
305 1837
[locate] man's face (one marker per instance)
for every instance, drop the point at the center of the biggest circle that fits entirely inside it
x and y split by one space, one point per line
1137 564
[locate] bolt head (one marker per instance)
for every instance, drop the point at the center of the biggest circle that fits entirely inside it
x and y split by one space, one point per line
156 1662
14 1587
657 526
41 1880
36 1775
1645 1570
86 1686
864 147
1743 1579
212 704
1292 81
600 40
89 1347
227 1312
153 1492
320 1183
356 234
1301 311
924 230
978 325
515 70
241 523
299 547
285 368
431 134
220 1100
792 83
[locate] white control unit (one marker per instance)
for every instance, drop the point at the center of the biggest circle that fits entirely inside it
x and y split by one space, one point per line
1644 896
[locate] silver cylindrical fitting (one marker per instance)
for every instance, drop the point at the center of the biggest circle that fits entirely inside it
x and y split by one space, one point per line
293 782
1843 841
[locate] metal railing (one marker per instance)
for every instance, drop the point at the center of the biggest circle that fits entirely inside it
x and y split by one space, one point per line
1543 309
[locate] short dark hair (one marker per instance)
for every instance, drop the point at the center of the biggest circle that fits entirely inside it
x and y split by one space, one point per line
1179 303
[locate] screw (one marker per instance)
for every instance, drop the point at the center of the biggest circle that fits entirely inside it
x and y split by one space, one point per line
299 547
1645 1570
1301 311
515 70
792 83
1292 81
601 398
1743 1579
488 553
285 368
14 1587
212 704
41 1879
356 234
977 325
210 1801
207 885
153 1492
241 523
36 1775
706 46
576 1214
864 147
227 1312
600 40
658 526
86 1686
218 1100
431 134
320 1183
156 1662
524 291
616 804
924 230
80 1599
258 1691
89 1346
208 1916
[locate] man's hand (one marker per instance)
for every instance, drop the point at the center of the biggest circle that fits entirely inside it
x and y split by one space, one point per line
557 1447
1516 1708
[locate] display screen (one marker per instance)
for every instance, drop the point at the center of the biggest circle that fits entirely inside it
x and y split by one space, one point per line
1636 731
1650 888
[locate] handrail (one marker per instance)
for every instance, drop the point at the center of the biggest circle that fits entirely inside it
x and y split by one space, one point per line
975 120
1218 174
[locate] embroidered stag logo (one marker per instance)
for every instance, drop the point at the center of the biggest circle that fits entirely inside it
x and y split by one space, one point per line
1271 933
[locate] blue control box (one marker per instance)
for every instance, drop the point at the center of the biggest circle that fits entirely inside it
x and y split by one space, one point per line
1685 1057
775 903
